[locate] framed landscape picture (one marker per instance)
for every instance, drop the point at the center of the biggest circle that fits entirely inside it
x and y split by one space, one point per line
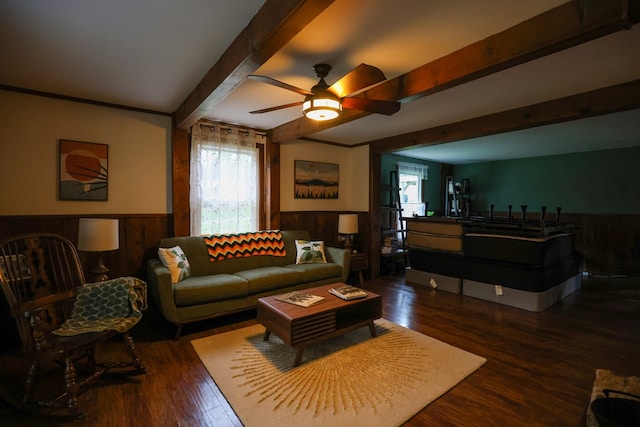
83 170
315 180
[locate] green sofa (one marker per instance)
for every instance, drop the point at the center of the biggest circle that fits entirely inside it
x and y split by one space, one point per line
230 285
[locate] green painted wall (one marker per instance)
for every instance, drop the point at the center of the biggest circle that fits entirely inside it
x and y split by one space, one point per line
598 182
432 192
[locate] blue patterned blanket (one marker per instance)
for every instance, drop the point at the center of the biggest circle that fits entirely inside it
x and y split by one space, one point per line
113 304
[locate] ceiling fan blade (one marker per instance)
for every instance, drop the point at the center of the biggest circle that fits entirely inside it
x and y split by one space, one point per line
371 105
279 107
359 78
278 83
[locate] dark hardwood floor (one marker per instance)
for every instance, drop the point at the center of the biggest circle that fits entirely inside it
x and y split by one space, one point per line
539 372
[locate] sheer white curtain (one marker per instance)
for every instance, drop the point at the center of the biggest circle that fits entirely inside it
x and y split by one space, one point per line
419 171
224 180
412 178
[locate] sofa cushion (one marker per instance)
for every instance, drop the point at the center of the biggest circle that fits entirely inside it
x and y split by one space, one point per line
315 272
269 278
217 287
310 252
176 261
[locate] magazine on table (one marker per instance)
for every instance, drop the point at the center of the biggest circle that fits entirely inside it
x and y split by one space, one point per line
302 299
348 292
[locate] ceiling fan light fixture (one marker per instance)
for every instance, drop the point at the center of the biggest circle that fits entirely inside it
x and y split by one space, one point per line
321 108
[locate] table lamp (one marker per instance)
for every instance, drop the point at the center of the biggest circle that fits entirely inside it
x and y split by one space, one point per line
348 224
98 235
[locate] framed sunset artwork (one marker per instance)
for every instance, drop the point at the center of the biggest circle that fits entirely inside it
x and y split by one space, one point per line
315 180
83 170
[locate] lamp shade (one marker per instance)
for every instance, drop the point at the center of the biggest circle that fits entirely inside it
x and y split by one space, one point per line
348 224
98 235
321 109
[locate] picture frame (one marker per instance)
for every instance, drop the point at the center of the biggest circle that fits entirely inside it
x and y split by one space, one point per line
316 180
83 171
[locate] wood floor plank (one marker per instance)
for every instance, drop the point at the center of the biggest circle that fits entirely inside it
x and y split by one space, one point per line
539 372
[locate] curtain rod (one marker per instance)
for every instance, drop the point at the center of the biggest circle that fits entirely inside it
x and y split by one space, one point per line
230 128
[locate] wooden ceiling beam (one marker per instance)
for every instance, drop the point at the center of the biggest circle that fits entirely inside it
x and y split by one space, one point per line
612 99
275 24
560 28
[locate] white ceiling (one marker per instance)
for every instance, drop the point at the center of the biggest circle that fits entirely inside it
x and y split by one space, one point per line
151 54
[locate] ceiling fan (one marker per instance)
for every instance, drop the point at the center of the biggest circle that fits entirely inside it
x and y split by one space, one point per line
324 102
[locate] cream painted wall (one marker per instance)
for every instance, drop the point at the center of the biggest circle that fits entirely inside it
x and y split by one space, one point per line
353 191
30 128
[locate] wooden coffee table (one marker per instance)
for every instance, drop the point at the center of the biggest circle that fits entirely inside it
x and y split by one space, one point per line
299 327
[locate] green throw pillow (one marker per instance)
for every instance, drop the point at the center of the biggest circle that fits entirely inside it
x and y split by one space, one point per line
176 261
310 252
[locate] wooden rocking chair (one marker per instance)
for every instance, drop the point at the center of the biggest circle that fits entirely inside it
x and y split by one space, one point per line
62 319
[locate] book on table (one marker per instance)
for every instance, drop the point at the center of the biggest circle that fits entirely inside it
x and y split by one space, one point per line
302 299
348 292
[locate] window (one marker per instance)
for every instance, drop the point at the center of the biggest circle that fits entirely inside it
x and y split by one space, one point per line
224 189
411 177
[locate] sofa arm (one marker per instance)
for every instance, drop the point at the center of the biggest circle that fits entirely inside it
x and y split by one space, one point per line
340 256
161 290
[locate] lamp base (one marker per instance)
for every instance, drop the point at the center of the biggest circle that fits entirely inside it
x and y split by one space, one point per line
100 272
348 244
100 277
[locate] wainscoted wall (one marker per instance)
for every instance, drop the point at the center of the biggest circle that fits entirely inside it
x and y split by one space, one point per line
324 226
140 234
610 244
139 237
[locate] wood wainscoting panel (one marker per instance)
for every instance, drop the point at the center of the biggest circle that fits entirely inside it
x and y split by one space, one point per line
139 237
323 225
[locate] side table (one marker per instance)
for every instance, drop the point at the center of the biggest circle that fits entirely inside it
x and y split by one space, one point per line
359 263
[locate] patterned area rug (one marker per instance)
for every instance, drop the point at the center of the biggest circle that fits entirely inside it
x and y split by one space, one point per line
608 379
354 380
